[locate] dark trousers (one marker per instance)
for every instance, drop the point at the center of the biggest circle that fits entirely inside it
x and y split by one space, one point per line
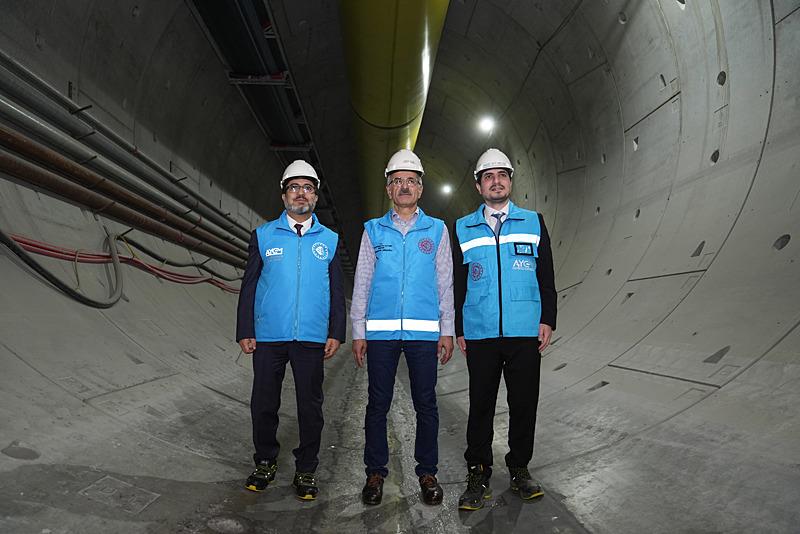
518 360
382 360
269 367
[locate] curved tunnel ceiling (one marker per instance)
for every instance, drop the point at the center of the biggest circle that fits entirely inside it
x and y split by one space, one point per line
390 50
658 138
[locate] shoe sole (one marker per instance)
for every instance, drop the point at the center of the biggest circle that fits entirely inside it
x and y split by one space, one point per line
528 497
253 488
306 497
486 497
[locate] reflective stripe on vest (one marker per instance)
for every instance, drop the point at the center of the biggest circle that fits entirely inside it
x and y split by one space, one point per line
375 325
404 296
502 297
490 241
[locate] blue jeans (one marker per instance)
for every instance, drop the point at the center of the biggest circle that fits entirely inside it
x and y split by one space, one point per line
382 360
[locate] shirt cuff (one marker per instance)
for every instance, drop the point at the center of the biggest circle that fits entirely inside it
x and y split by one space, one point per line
359 329
447 327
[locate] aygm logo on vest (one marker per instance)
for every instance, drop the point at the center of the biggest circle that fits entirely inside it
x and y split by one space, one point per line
426 245
523 265
320 250
275 253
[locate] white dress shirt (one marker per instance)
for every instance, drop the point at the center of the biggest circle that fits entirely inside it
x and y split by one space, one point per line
306 224
488 212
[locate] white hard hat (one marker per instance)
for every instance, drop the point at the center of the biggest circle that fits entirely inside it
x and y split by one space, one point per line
492 159
404 160
300 169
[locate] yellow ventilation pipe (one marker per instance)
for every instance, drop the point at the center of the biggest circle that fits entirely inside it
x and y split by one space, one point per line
390 47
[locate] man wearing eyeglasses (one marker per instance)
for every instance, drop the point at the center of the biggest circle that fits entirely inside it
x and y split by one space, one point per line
291 309
403 302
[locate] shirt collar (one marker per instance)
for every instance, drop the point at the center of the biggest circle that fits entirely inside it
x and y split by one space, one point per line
488 212
306 224
396 216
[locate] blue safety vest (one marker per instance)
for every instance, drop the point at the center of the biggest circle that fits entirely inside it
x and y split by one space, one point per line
502 290
404 297
293 292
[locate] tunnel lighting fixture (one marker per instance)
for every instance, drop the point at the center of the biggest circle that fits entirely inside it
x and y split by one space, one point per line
486 124
447 189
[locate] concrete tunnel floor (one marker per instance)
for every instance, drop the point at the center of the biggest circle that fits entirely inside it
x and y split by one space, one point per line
186 474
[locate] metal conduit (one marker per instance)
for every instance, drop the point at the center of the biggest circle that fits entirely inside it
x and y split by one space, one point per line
390 48
79 152
91 180
36 94
49 181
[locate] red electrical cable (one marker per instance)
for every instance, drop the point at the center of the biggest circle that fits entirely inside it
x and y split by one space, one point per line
66 254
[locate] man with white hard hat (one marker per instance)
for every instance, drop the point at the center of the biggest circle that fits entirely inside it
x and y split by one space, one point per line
505 315
403 302
291 309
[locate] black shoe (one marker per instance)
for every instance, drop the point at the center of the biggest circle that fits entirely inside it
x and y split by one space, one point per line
522 484
477 490
432 492
305 486
373 489
262 476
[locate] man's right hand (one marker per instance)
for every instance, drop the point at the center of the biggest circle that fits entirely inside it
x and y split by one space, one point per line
462 344
248 345
359 351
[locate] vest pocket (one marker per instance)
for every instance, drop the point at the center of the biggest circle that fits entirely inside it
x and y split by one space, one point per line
476 294
524 292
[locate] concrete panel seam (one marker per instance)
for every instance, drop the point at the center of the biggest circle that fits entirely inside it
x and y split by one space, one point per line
696 271
664 375
148 381
651 112
223 394
565 171
789 14
588 72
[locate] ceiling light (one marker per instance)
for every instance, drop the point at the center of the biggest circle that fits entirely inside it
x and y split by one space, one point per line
486 124
447 189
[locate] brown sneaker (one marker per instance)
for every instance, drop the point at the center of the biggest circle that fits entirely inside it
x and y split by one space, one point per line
431 491
373 489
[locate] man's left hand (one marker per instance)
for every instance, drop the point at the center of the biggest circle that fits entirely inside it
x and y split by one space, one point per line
545 332
331 346
445 349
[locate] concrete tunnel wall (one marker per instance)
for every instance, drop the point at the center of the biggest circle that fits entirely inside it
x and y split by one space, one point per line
669 397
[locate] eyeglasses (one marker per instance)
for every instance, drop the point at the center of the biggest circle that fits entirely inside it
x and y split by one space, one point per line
489 175
295 188
410 182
